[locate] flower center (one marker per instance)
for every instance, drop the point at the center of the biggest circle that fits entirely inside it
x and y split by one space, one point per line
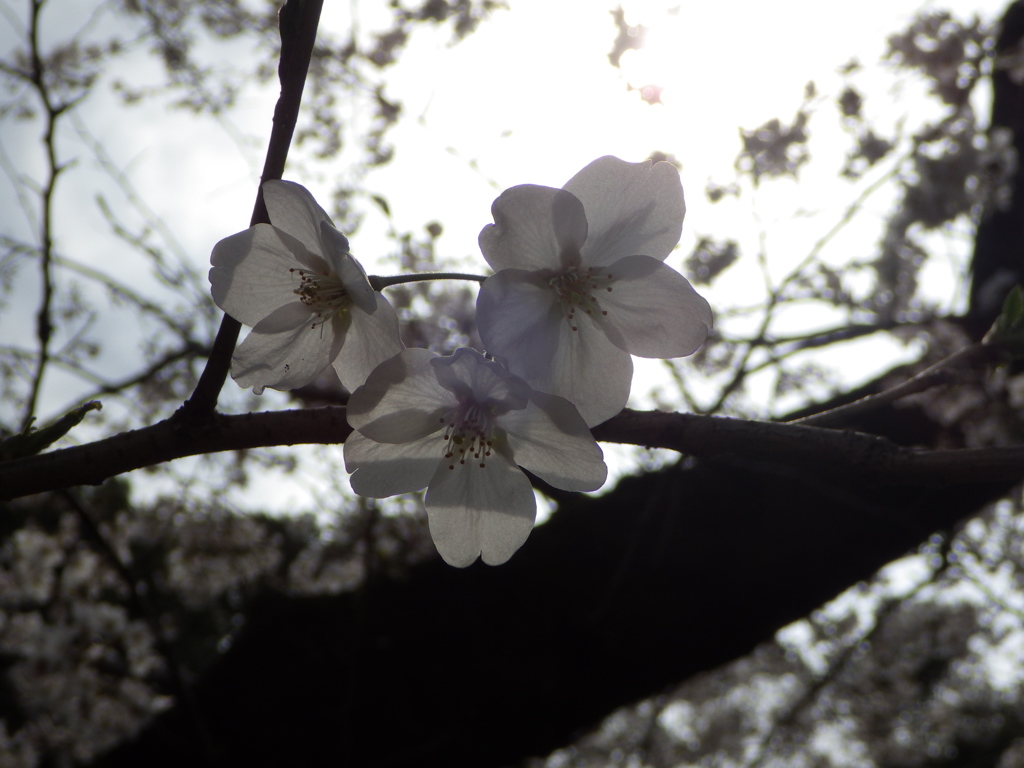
325 295
469 427
576 288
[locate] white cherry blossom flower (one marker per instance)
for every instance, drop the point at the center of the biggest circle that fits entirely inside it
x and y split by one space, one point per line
308 301
580 282
461 426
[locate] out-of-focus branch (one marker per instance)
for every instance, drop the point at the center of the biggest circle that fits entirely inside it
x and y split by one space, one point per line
44 319
299 20
124 291
183 277
777 294
188 349
842 456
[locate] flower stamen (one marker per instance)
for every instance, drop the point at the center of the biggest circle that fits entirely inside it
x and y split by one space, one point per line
325 295
575 286
469 427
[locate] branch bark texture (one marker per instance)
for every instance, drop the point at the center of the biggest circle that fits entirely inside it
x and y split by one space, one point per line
835 454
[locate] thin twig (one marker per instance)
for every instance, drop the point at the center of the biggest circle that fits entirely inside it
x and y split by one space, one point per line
44 319
187 350
936 375
776 295
179 276
126 292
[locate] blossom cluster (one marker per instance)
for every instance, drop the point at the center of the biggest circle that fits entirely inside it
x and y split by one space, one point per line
579 286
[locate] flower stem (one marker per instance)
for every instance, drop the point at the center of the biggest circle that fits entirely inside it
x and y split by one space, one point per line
380 283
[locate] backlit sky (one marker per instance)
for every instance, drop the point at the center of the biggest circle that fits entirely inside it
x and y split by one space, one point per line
528 98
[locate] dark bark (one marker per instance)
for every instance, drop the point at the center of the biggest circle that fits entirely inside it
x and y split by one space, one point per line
616 598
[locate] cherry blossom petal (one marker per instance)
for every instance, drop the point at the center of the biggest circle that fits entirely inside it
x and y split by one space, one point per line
282 351
388 469
570 228
293 279
371 339
518 316
290 317
523 235
476 512
350 271
550 439
250 276
589 371
292 208
401 400
478 502
632 208
653 311
468 374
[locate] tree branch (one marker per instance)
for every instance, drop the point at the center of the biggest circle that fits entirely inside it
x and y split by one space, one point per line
839 456
933 376
299 20
44 318
167 440
833 454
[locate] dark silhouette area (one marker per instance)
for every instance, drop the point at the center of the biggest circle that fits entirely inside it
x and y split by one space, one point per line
998 263
614 599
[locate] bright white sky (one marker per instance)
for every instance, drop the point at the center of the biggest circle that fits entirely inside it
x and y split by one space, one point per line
529 98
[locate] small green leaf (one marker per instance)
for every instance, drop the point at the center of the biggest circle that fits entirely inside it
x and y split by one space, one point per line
1013 306
1007 332
382 203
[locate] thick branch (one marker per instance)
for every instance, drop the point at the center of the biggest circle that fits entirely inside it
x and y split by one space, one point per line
854 455
174 438
840 455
